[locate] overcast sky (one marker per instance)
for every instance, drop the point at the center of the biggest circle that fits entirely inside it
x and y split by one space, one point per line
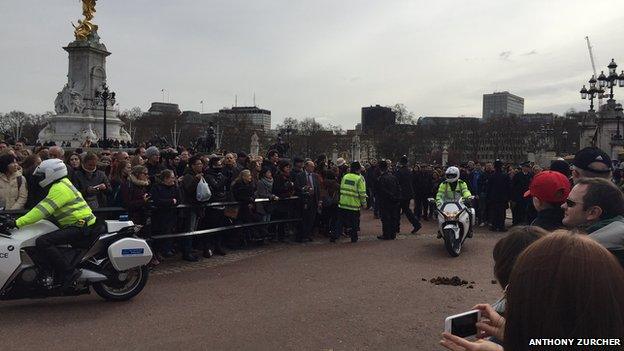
323 59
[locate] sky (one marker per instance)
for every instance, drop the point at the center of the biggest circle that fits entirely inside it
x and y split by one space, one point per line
322 59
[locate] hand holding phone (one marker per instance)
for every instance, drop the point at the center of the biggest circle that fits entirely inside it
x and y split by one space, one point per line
463 324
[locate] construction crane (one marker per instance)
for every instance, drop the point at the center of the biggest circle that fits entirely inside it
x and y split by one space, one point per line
593 63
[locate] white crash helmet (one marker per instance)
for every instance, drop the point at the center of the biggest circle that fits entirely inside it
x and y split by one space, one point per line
50 171
451 174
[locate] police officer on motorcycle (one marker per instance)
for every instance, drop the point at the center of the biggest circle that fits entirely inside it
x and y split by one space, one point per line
67 207
452 188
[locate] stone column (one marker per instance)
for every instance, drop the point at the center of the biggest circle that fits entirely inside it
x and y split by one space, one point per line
445 154
334 153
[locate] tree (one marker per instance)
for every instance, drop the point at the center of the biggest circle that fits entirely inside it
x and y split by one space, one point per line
403 116
14 123
129 117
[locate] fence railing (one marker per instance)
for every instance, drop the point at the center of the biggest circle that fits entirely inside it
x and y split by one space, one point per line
184 207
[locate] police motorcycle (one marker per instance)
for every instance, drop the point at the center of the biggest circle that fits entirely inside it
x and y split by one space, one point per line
112 260
456 221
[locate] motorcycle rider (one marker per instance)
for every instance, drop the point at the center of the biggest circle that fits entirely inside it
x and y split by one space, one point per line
66 205
452 189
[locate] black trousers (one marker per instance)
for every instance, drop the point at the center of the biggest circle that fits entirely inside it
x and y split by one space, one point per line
519 212
347 218
308 216
497 211
421 207
46 246
405 209
390 214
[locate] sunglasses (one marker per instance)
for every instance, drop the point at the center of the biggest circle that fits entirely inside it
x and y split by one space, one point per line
571 203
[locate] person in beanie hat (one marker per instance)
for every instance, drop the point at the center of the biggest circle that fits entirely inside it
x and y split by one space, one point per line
549 190
352 198
153 164
591 162
342 167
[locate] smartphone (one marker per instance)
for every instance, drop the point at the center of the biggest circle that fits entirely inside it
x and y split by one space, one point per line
464 324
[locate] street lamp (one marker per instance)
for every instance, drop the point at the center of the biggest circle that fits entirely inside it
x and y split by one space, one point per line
105 96
592 92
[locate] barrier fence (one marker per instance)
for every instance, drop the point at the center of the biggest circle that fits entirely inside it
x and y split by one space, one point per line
183 207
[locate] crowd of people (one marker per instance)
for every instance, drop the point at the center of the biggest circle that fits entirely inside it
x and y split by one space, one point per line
581 203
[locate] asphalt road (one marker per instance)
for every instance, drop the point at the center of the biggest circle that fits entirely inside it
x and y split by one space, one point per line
318 296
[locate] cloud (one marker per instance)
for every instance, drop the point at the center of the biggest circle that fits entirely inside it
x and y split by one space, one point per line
504 55
530 53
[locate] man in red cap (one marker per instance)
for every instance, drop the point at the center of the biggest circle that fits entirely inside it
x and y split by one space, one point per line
549 190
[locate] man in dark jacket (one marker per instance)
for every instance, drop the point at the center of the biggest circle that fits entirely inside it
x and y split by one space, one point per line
308 188
388 196
498 194
214 217
519 185
549 190
405 178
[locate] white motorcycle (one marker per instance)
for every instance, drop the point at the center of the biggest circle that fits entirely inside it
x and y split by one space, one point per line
113 263
455 223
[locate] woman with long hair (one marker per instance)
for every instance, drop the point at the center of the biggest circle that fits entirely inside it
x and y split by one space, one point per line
13 188
563 286
119 176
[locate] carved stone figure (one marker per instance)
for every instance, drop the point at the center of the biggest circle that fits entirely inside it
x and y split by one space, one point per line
77 104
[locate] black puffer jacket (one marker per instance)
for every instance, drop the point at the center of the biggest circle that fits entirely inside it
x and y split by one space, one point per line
218 183
388 189
405 178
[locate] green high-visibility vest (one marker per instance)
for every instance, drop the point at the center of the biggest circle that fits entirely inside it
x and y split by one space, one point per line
64 203
352 192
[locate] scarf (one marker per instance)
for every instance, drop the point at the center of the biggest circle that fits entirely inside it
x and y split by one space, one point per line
268 183
138 182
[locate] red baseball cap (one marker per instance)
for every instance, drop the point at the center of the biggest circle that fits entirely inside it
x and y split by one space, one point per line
549 186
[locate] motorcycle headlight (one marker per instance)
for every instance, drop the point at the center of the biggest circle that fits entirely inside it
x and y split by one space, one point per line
451 215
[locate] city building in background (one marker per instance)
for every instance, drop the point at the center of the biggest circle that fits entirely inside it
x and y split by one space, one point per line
433 121
502 104
257 116
377 118
164 108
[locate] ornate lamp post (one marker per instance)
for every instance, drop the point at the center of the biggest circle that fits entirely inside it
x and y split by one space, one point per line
105 96
592 92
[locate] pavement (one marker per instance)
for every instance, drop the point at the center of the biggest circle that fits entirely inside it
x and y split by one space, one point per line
371 295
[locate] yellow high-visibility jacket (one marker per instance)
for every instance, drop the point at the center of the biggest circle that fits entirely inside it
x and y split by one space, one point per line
64 203
352 192
445 193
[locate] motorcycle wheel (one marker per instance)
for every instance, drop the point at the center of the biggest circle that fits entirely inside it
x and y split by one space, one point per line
125 286
448 244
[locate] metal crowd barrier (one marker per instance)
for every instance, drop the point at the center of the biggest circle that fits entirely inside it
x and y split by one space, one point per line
104 210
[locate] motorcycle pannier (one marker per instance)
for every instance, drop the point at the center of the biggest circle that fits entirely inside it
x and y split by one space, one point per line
128 253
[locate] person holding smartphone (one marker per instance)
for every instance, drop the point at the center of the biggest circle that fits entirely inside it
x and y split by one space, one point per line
92 183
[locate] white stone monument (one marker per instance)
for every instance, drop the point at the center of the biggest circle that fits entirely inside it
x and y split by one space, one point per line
445 154
79 113
355 148
334 153
255 145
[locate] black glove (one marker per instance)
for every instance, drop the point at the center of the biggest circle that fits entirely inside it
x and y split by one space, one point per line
11 224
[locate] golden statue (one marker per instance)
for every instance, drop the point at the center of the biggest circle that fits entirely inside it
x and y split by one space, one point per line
85 27
88 9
